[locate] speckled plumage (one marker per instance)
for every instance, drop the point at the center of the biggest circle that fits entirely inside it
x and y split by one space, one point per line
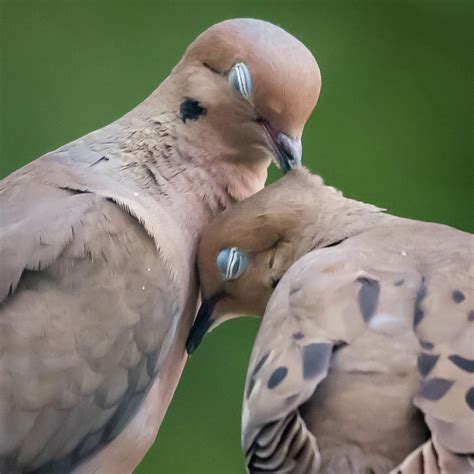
98 286
368 325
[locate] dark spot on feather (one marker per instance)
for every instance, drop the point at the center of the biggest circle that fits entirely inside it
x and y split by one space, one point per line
277 377
426 345
257 368
458 296
250 387
75 191
462 363
294 289
426 362
434 389
96 162
470 315
275 282
151 175
316 359
298 335
260 363
129 165
399 282
368 297
418 315
339 345
291 399
191 109
470 398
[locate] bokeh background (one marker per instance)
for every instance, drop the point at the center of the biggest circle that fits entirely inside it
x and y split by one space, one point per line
393 127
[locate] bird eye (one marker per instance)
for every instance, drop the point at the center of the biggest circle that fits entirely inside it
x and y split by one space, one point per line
241 81
231 263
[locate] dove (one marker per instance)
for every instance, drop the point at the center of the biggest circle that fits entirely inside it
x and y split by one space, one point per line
98 287
364 358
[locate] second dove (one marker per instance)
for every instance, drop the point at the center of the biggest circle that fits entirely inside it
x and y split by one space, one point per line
364 357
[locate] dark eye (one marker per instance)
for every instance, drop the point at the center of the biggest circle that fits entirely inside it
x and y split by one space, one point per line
240 80
275 282
231 263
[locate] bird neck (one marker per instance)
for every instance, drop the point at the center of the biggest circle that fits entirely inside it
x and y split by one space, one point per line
336 217
190 139
180 175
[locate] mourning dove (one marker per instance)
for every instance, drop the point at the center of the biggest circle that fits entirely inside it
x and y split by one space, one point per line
372 321
98 287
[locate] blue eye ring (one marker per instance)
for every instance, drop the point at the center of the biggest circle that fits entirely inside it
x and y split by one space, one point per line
241 81
231 263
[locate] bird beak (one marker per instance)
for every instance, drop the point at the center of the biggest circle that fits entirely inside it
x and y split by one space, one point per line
287 151
202 323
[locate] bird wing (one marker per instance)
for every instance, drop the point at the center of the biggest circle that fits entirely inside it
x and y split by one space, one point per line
444 326
330 298
86 319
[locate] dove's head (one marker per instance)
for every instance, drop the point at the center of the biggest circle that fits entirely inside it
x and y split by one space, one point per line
247 88
245 251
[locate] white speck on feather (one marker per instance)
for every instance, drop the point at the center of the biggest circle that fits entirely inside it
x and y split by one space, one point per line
135 194
387 324
404 253
148 269
143 287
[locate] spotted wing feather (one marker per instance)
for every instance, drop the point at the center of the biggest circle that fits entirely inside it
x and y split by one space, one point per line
445 328
320 304
364 301
446 363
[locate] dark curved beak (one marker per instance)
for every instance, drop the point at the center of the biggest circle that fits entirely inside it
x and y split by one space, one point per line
287 151
201 324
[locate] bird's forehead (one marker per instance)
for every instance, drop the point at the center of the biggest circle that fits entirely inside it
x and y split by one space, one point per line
285 75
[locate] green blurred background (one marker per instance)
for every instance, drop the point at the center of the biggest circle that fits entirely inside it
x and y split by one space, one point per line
393 127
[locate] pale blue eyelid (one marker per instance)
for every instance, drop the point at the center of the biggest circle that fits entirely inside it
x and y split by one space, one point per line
241 81
231 263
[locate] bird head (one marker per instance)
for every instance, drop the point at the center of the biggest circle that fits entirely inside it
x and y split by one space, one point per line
245 251
247 87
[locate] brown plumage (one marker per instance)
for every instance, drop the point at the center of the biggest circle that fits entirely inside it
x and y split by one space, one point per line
371 322
98 244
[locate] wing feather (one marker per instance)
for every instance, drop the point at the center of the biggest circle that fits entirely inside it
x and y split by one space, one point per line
381 305
84 317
